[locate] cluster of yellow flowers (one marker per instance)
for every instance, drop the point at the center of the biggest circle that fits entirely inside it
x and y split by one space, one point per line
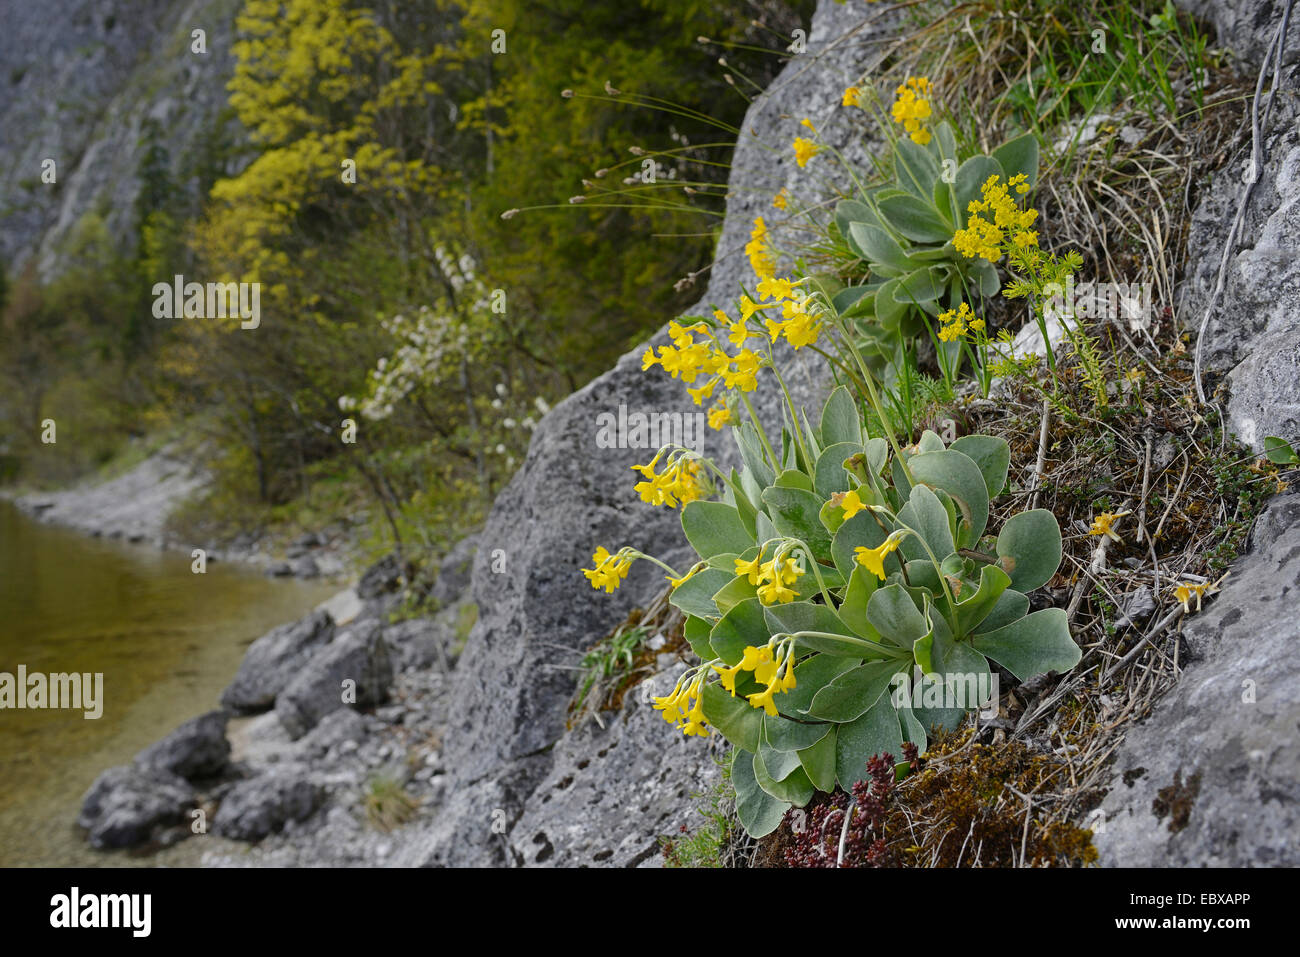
912 108
687 359
955 323
776 675
610 569
804 150
852 97
761 259
1104 524
1185 592
680 710
782 199
984 237
773 577
678 482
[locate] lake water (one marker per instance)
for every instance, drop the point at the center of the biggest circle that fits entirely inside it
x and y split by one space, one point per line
166 640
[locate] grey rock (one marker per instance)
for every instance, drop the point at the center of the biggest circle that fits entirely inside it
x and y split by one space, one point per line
274 660
129 805
197 749
571 495
612 791
358 655
1212 778
382 578
337 730
306 567
454 571
263 804
279 570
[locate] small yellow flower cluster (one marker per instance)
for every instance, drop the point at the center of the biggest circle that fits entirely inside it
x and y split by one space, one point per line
984 237
773 577
679 709
782 199
956 322
610 569
800 326
686 359
852 97
804 150
776 675
912 108
873 559
1186 592
679 481
761 259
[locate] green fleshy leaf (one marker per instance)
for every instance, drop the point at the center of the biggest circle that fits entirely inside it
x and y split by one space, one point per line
840 421
1029 548
1034 645
893 613
875 732
796 514
782 734
810 675
760 813
818 761
743 625
852 693
1019 155
993 457
713 528
926 515
977 606
695 595
916 219
736 720
960 477
1010 606
795 789
696 631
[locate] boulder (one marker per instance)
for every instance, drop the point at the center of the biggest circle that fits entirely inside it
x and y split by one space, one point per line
358 655
382 578
454 572
197 749
273 660
130 804
261 805
1212 778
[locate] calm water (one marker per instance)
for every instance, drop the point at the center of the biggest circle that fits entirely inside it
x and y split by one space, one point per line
167 641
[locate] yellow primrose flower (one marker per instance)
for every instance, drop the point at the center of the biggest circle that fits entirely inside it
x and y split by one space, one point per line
1104 524
675 582
610 569
761 662
763 699
753 569
782 199
850 503
852 97
727 677
719 416
804 150
808 123
648 358
775 593
787 682
772 288
743 371
873 559
802 330
703 392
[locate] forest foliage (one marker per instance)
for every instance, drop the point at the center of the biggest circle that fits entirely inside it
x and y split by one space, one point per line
359 174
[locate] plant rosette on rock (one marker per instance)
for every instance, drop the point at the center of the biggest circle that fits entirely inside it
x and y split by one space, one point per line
833 578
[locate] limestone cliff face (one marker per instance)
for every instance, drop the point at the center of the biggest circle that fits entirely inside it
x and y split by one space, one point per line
601 796
80 83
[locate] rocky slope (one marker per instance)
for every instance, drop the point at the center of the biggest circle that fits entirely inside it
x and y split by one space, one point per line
81 80
1210 778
